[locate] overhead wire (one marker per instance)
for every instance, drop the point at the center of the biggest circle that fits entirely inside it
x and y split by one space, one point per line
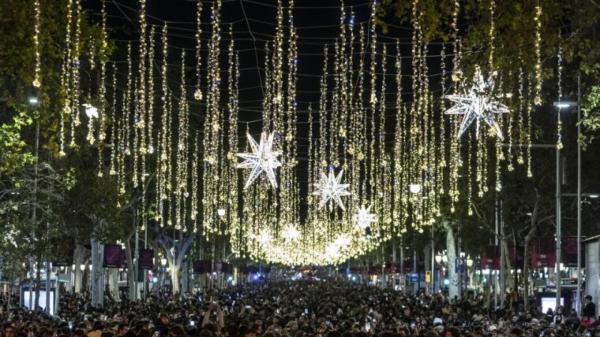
262 89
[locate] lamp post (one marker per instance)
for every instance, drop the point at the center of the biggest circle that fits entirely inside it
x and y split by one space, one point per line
560 105
34 103
578 194
415 188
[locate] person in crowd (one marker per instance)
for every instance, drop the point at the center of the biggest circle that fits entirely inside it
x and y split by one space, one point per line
327 308
9 331
589 309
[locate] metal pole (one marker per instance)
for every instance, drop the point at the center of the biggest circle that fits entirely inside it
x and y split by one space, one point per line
34 210
145 247
578 194
494 280
415 285
48 286
558 223
394 271
502 271
558 180
136 264
383 282
462 258
402 276
432 260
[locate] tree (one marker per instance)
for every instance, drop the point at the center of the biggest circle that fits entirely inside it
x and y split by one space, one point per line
175 246
19 153
13 148
32 211
574 21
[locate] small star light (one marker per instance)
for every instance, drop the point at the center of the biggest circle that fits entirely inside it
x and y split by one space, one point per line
329 188
291 233
261 159
264 238
478 104
364 218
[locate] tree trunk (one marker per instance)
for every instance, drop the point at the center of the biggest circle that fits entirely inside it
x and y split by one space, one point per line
113 284
131 276
78 259
526 261
38 281
508 280
527 251
175 251
451 254
97 274
174 271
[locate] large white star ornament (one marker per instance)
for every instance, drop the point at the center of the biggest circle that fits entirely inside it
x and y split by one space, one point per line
477 105
330 188
261 159
364 217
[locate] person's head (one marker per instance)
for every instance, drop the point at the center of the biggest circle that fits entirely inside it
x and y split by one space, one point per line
431 333
98 325
452 332
250 333
78 333
516 332
163 318
9 331
477 332
588 299
177 331
122 329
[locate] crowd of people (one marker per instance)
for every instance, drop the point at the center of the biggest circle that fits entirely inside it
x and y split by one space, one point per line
294 309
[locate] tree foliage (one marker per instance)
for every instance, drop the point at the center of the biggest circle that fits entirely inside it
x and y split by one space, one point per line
570 24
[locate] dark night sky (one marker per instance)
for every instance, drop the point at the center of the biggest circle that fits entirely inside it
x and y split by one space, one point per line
253 21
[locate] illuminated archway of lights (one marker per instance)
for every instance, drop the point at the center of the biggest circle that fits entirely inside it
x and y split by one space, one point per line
361 125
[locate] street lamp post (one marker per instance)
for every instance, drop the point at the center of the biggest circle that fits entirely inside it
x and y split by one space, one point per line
415 188
558 223
438 260
560 105
566 105
578 308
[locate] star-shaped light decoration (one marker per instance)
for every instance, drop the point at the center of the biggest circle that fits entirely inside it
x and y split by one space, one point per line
477 105
364 217
329 188
261 159
290 233
264 237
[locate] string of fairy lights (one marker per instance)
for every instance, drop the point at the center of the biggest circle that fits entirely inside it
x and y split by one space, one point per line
377 156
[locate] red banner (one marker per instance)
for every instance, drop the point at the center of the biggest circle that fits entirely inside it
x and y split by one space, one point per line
543 253
490 259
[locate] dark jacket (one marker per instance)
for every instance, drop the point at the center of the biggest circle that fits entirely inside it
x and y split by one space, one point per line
589 310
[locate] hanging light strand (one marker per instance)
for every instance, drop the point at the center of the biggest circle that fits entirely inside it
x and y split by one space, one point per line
37 74
198 91
537 19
